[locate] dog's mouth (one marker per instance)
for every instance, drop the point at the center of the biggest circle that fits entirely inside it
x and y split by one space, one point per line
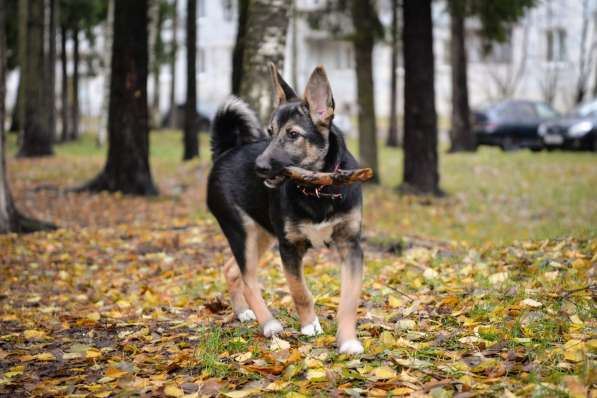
274 182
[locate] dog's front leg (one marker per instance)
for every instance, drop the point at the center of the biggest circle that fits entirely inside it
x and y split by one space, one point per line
352 281
292 258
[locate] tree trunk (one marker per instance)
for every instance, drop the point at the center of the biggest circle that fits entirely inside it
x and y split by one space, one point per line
191 141
172 122
154 27
392 139
22 56
127 168
37 138
264 42
363 17
64 84
107 57
420 120
239 46
74 133
51 68
461 134
15 122
294 47
10 219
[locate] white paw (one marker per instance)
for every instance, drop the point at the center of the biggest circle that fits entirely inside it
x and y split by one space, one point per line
351 347
312 329
271 327
246 315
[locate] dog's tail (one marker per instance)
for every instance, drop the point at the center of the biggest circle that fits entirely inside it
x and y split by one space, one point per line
234 124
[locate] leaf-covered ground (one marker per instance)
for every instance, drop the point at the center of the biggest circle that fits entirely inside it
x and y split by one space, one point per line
127 299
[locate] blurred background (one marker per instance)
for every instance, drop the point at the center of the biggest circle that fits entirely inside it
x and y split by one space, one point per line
492 103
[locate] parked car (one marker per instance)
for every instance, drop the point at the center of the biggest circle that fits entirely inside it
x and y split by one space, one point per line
203 118
575 131
512 124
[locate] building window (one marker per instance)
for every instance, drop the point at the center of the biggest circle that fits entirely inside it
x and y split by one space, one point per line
201 60
201 8
344 57
556 45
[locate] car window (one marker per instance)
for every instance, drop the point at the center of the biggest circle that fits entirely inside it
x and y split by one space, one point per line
514 112
588 109
545 111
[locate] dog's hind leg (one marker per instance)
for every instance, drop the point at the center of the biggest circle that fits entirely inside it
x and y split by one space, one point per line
352 279
256 243
236 287
292 257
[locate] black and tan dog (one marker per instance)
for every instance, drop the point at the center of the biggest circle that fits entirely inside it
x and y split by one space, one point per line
255 204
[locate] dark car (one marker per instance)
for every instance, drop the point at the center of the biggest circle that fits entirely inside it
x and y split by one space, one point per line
575 131
203 120
512 124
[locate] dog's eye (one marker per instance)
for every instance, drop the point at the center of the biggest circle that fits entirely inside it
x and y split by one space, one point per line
293 135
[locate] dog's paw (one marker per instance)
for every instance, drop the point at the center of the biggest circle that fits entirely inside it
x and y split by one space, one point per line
312 329
271 327
351 347
246 316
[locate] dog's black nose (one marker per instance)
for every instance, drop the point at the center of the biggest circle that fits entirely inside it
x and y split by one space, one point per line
262 168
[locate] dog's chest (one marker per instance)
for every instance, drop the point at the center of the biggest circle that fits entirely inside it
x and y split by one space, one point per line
319 234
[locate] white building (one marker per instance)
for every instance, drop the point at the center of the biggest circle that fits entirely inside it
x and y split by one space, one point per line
548 49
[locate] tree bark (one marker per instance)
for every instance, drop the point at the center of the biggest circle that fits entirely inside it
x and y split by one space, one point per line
154 31
10 218
51 68
239 46
37 138
191 130
107 57
74 133
461 135
363 17
15 121
172 122
392 139
264 42
64 85
127 168
22 57
421 174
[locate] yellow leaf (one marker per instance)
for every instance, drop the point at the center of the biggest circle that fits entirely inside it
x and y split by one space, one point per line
71 355
312 363
241 393
103 394
401 391
243 357
531 303
94 316
394 302
573 350
406 324
277 385
293 394
45 356
34 334
498 277
279 344
316 375
93 353
115 373
172 390
383 372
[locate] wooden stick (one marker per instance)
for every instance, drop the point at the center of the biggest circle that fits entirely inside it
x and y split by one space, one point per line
339 177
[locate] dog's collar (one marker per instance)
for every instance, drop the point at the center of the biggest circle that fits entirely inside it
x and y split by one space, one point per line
315 191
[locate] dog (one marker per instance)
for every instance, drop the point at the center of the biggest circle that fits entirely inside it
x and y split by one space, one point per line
255 204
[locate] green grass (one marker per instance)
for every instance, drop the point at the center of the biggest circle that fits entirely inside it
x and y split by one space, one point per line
492 196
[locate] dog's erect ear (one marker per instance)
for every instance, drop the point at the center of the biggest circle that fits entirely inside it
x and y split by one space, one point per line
319 99
282 91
